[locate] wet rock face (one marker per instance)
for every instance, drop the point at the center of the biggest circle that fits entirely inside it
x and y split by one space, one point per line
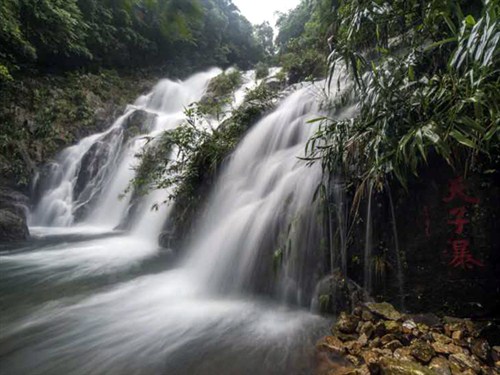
13 207
377 339
337 293
12 226
139 122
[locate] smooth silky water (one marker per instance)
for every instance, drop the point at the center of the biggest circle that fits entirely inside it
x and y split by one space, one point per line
82 297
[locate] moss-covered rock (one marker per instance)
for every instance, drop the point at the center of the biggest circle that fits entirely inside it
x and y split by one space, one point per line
384 309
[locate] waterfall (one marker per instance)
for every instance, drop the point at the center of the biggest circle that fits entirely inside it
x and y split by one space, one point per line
264 188
84 301
91 175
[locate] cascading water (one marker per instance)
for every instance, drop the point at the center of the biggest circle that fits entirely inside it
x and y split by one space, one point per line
85 302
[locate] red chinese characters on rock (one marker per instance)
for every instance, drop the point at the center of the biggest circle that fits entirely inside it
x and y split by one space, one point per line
462 256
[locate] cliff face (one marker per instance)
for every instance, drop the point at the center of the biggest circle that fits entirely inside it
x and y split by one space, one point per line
39 116
447 234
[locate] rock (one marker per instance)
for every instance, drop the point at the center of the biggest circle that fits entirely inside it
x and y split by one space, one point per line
357 311
424 328
367 328
363 339
139 122
325 366
460 363
370 357
331 344
380 329
495 353
485 370
408 326
481 349
384 352
430 320
343 293
392 326
274 84
453 325
403 353
393 345
440 365
367 316
13 226
458 335
422 351
388 338
447 348
389 366
353 359
375 343
353 347
344 336
347 323
384 310
443 339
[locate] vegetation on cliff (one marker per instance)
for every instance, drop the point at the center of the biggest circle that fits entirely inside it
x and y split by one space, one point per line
185 160
41 115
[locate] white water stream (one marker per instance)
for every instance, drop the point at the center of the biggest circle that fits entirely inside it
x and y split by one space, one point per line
83 298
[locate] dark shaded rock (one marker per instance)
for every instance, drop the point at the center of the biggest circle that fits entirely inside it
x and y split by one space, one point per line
430 320
393 345
384 310
495 353
12 226
422 351
481 349
139 122
366 315
13 208
389 366
367 328
388 338
342 293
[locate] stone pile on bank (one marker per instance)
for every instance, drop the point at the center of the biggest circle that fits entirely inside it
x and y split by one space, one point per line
377 339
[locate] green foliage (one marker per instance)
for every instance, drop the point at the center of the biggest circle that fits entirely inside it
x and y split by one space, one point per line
38 117
219 94
184 159
302 40
68 34
261 70
264 35
426 83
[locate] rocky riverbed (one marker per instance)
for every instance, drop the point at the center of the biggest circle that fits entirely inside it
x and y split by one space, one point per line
375 338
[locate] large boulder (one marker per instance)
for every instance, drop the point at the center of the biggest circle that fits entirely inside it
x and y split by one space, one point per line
138 122
13 222
12 226
336 293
